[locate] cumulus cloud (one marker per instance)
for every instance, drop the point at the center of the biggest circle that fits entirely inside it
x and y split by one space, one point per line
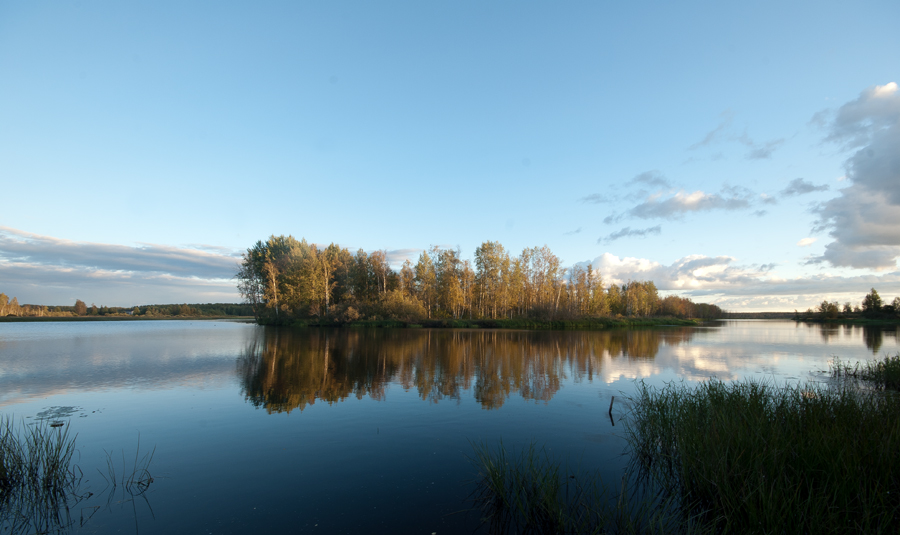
799 186
628 232
44 269
722 281
864 219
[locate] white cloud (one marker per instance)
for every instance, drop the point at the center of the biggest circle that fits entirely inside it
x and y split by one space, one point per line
719 280
864 219
799 186
46 270
628 232
806 242
676 205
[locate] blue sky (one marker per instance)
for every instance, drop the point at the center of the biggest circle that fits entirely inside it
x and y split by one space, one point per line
743 154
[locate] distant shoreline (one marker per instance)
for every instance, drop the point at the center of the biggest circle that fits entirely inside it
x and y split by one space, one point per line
26 319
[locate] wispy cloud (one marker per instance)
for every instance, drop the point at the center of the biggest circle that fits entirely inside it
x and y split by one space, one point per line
676 205
596 198
760 151
724 132
628 232
572 232
716 133
17 245
396 257
42 269
806 242
799 186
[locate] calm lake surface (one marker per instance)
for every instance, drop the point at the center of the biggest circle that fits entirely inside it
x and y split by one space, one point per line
352 430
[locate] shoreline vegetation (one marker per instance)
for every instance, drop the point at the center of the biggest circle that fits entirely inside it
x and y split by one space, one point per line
11 310
872 311
741 457
291 282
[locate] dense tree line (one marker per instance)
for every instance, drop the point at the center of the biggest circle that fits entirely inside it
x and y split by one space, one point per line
80 308
284 279
208 309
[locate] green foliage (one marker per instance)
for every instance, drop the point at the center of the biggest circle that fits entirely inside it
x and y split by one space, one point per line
872 304
284 280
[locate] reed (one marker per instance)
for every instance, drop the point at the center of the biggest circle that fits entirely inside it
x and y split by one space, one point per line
883 373
752 457
529 492
39 484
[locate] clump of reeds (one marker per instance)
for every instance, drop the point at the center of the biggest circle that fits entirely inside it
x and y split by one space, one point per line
883 374
38 481
529 492
753 457
135 480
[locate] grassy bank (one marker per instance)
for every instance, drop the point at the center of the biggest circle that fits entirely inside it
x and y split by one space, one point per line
744 457
557 325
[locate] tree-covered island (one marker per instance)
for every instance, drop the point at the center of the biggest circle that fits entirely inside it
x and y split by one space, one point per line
287 281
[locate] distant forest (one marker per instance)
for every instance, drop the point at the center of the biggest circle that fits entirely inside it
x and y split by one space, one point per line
286 280
13 308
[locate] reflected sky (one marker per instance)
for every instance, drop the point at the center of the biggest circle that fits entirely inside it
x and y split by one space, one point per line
49 358
278 430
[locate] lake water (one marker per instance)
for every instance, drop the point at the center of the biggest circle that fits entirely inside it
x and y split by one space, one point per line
350 430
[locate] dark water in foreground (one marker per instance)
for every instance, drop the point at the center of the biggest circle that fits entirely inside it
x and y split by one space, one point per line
349 431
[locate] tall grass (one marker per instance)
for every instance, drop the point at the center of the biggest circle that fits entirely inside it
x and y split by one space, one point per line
753 457
883 374
744 457
528 492
39 484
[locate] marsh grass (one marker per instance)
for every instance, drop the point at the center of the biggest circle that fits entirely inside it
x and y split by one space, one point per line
754 457
39 484
744 457
528 492
883 374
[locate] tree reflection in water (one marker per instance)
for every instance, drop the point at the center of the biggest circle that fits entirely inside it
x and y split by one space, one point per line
283 369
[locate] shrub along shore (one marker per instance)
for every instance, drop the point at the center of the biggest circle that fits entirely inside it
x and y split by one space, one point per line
743 457
586 324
